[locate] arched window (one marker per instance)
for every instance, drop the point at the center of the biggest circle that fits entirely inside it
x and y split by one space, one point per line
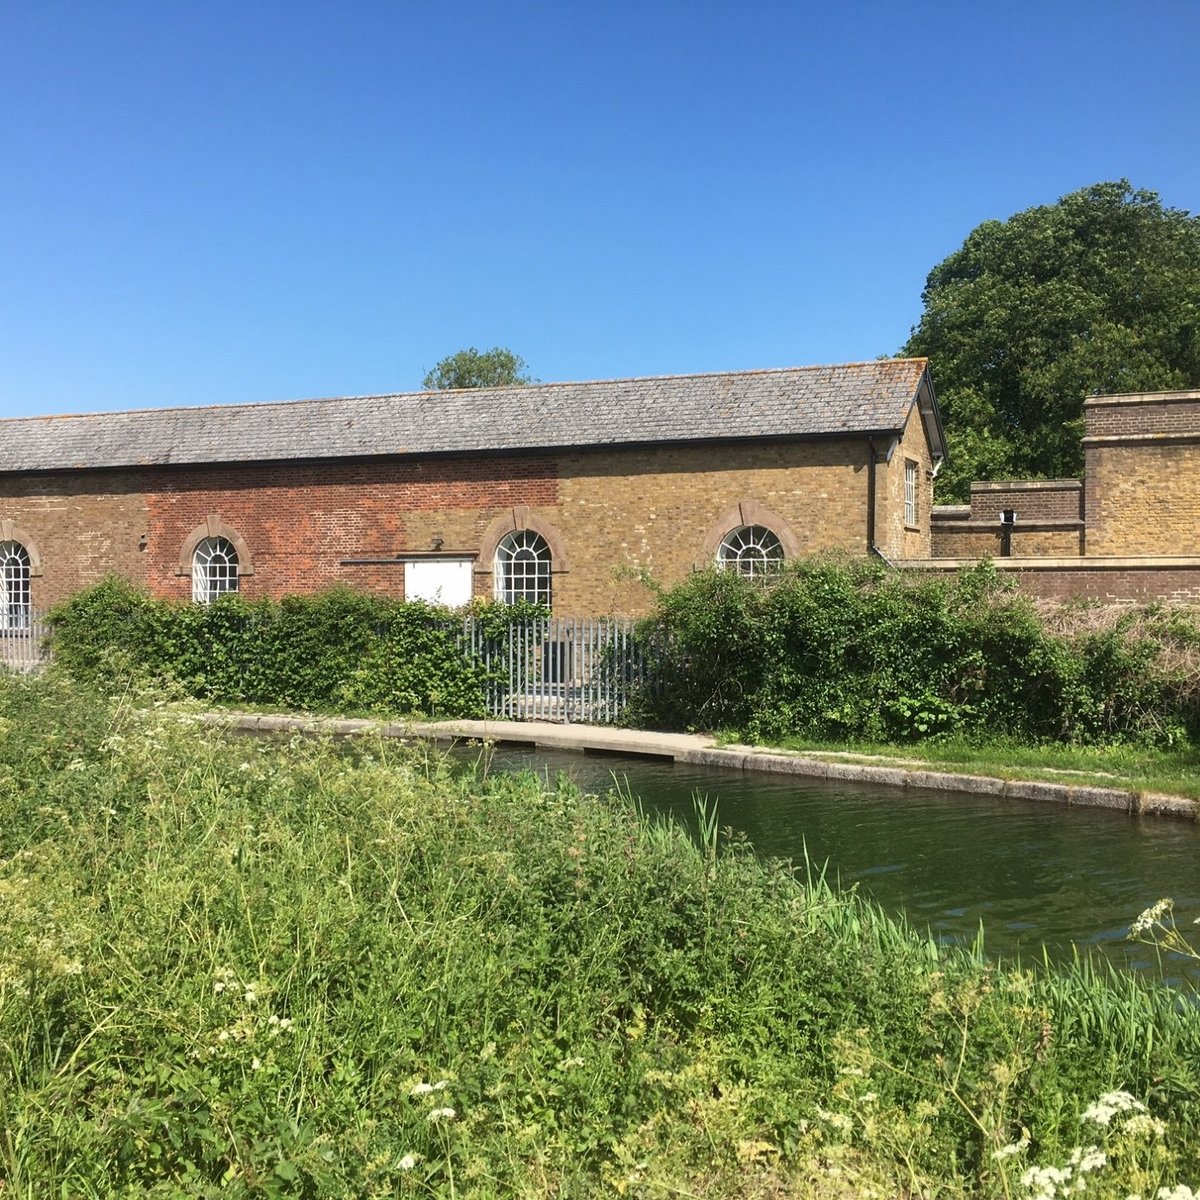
523 562
214 569
15 571
751 549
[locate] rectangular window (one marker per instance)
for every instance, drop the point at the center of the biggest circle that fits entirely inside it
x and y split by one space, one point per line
910 492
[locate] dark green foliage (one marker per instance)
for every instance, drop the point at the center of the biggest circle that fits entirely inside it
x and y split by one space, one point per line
1099 292
853 651
336 650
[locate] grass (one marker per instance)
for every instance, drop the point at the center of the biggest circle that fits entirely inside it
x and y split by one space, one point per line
236 968
1134 768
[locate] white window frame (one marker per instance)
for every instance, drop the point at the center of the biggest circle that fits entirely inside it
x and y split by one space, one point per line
910 492
214 569
523 568
16 573
751 550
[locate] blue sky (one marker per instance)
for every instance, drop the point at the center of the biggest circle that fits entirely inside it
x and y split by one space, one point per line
218 202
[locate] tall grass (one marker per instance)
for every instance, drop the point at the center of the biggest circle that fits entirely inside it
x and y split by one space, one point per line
291 969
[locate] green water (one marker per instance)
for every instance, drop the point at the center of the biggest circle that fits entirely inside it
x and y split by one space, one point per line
1032 874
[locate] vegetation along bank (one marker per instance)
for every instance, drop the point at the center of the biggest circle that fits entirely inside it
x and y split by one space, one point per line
293 968
823 650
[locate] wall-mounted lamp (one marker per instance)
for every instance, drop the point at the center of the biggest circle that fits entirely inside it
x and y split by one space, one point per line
1008 518
437 542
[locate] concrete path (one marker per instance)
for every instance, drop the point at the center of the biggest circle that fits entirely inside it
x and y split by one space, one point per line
699 748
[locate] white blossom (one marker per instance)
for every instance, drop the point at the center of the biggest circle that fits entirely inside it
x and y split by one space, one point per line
1112 1104
1151 917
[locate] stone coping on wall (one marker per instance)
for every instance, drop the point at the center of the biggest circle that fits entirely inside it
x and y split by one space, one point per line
963 522
1142 398
1078 563
1027 485
703 751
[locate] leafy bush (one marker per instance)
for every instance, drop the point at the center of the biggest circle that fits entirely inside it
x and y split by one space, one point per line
338 649
853 651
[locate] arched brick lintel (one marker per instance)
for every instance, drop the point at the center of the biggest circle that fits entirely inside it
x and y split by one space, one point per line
10 531
512 520
213 526
748 512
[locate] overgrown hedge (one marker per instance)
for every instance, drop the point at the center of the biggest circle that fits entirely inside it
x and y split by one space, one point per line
338 649
826 649
855 651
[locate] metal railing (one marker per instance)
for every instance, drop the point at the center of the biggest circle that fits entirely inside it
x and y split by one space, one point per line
24 645
558 668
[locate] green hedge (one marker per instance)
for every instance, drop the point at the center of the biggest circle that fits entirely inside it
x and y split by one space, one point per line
339 649
855 651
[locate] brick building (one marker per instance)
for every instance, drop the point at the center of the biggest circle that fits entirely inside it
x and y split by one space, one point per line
1129 530
560 492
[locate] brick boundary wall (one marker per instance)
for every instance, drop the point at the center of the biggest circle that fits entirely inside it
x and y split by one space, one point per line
1107 580
1049 520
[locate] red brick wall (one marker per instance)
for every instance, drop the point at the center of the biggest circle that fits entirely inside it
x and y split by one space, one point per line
1123 583
300 521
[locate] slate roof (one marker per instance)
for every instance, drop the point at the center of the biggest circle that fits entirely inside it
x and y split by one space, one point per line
796 402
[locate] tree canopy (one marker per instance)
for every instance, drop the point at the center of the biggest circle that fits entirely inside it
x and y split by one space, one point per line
1098 293
473 368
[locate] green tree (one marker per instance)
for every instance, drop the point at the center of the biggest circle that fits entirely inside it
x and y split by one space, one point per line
1098 293
473 368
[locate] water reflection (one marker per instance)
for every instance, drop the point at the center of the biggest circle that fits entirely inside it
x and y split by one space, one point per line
1032 874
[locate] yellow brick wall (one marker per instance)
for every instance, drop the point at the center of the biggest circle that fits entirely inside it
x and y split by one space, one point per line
626 511
1143 499
949 542
892 536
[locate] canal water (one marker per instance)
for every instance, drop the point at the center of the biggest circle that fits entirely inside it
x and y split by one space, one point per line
1031 874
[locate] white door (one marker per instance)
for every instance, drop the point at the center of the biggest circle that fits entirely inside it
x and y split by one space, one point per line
439 580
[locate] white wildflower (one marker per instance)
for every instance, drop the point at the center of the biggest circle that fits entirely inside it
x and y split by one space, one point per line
1043 1182
1013 1148
407 1162
1091 1159
442 1114
220 986
1180 1191
568 1063
421 1089
255 1064
1151 917
1112 1104
250 996
1143 1125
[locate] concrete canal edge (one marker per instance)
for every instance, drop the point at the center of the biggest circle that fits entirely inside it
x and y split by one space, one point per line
702 750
